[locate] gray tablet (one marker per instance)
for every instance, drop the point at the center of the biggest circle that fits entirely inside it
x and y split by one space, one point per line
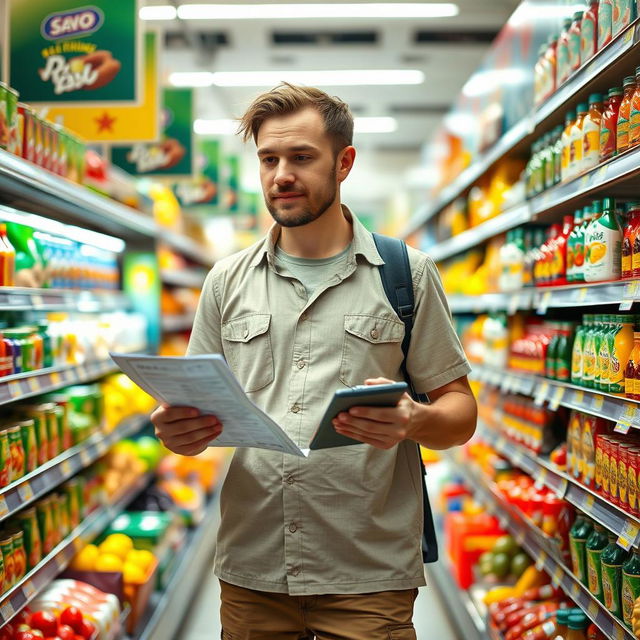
378 395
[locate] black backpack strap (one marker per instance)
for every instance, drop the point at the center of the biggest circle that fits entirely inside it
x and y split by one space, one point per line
397 282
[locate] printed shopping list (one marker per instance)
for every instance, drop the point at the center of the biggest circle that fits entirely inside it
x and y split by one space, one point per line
207 383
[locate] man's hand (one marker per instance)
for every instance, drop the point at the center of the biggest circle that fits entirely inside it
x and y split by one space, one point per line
183 430
381 427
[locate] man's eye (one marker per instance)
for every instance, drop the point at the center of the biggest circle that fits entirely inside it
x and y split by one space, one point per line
302 158
268 160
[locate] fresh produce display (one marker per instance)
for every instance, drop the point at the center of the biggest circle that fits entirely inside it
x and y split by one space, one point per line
122 398
506 560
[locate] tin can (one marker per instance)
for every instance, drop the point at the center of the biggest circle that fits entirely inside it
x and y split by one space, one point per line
52 429
17 453
38 130
37 412
598 461
29 444
54 148
73 497
606 441
5 123
45 526
19 555
623 478
632 479
32 542
21 124
614 456
6 547
63 514
46 145
5 459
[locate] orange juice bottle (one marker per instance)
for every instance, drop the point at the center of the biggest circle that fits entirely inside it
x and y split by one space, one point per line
624 115
591 133
634 117
8 259
619 357
632 364
569 120
575 149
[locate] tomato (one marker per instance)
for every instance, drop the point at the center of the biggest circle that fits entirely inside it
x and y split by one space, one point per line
25 635
66 632
72 616
87 630
8 631
45 621
37 633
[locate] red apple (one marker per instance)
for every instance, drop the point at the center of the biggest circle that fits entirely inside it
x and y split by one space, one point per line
45 621
72 616
8 631
66 632
87 630
37 633
25 635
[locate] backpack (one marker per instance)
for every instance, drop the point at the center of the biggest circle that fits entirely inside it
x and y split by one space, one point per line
397 282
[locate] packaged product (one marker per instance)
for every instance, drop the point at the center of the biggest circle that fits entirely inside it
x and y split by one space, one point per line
589 32
575 41
624 114
591 133
634 116
563 69
605 23
609 124
604 246
624 11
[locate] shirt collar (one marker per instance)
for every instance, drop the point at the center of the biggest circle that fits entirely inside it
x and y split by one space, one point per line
362 243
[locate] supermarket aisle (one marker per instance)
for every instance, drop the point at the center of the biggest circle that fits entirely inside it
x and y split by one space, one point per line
202 621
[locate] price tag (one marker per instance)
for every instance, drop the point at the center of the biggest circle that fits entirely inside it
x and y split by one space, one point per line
578 397
517 458
85 458
505 384
588 502
556 399
629 535
622 427
14 389
628 36
25 492
556 578
29 590
4 507
34 384
541 561
7 610
543 305
55 378
626 305
514 304
66 468
500 443
592 609
619 633
575 590
583 292
541 394
597 402
102 447
628 414
59 560
584 181
542 478
562 487
631 290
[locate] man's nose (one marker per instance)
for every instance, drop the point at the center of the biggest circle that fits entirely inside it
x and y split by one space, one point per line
284 175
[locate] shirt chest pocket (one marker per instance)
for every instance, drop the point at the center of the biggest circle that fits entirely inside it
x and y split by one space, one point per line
372 347
247 348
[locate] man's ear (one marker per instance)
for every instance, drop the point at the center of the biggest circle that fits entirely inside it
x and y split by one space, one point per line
344 162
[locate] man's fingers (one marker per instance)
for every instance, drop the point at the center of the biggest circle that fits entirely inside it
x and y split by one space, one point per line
194 448
193 437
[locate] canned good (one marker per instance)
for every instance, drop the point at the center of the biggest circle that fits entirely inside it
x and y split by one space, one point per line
38 128
54 149
29 138
5 459
52 429
45 526
598 463
74 505
37 412
55 518
32 541
8 103
19 555
632 479
62 501
6 548
29 444
16 452
614 456
606 442
623 465
46 144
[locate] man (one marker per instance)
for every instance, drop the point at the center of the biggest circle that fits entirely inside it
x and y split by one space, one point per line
329 546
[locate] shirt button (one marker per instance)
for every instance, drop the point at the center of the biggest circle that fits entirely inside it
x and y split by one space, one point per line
295 408
290 480
301 364
293 527
374 334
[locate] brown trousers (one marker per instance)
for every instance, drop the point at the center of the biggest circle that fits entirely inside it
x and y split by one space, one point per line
258 615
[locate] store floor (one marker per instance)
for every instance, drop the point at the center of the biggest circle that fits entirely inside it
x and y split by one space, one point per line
202 621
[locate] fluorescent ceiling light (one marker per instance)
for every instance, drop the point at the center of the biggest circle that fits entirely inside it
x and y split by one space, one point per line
219 127
297 10
163 12
375 125
341 77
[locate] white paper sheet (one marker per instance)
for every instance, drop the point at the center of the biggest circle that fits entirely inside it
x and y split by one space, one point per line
206 383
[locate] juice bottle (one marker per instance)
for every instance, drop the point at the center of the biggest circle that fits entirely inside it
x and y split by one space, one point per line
572 241
622 346
596 544
562 620
562 52
589 32
591 133
608 128
613 557
527 269
634 116
549 160
538 76
557 154
624 115
577 359
632 364
559 259
629 239
630 589
578 623
581 245
624 11
551 63
578 536
603 355
7 279
589 351
563 353
574 41
575 149
552 349
604 253
565 139
605 23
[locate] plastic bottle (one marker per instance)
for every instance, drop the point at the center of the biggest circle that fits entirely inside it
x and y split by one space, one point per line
609 123
589 32
604 240
628 239
603 355
559 261
624 12
580 531
577 360
589 351
548 161
565 140
575 148
633 364
562 52
578 623
527 269
574 42
552 349
543 631
557 154
581 243
630 589
591 133
622 347
538 76
571 246
551 63
562 620
8 258
613 557
564 353
634 117
624 115
596 544
605 23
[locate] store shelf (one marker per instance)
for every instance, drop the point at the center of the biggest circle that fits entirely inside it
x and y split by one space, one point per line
26 385
621 294
27 299
534 542
173 324
33 486
26 186
187 247
191 278
58 560
624 412
167 608
473 237
617 520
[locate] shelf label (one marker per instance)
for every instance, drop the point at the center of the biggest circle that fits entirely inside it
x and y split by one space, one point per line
562 487
629 535
514 304
575 589
34 384
55 378
543 305
557 576
583 292
631 290
622 427
517 457
60 562
578 397
556 399
589 501
4 507
598 402
25 492
102 447
14 389
505 385
29 590
592 609
85 458
541 561
626 305
6 610
542 478
66 468
629 414
541 394
619 633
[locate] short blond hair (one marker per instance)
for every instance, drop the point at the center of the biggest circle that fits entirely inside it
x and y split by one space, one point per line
286 99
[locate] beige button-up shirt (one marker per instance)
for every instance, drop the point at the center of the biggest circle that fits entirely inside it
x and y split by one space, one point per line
348 519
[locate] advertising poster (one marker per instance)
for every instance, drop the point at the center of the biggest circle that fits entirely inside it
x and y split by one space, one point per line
82 53
173 154
232 184
203 191
117 124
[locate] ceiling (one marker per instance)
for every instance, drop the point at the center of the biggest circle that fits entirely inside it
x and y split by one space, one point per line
447 50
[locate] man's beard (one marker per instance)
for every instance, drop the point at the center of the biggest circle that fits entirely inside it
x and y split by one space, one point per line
306 215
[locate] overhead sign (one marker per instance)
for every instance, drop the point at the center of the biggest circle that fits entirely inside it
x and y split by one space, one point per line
87 52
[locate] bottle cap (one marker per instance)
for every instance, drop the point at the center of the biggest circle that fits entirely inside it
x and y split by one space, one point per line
578 621
629 81
608 203
583 107
615 91
595 97
578 15
570 117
